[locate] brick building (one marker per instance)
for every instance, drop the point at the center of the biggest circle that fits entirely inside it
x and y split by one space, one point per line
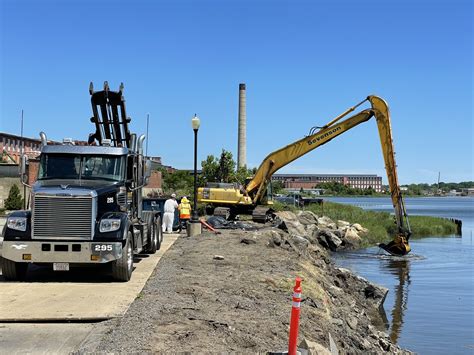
311 181
10 146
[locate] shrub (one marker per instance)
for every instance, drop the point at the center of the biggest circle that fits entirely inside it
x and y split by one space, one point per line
14 200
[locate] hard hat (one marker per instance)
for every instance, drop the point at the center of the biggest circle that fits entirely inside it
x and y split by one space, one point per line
173 195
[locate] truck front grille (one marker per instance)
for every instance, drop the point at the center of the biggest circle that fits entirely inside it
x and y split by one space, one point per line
58 217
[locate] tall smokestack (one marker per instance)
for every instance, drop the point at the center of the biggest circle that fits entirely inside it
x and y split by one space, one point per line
242 140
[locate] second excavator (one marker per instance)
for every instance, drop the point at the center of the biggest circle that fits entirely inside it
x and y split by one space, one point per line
252 197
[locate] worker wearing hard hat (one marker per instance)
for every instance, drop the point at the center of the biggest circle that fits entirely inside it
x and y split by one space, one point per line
168 218
184 211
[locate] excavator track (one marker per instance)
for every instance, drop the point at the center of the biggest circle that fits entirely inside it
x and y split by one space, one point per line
262 214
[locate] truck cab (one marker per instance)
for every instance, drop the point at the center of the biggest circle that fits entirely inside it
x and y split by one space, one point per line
85 208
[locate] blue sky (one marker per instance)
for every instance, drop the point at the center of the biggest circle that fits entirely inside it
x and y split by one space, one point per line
304 62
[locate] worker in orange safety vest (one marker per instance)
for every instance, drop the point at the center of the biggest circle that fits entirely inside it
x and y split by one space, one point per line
184 210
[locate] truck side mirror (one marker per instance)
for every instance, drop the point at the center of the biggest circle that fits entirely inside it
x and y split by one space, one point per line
147 168
23 162
147 172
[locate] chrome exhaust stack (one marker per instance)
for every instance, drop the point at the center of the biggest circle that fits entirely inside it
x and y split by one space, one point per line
133 142
44 139
141 139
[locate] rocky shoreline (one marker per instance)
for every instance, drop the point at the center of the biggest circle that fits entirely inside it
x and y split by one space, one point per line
231 292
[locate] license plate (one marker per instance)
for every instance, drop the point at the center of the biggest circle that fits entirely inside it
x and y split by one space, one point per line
61 266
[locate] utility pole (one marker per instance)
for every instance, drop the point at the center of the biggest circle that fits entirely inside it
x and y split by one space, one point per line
147 139
21 158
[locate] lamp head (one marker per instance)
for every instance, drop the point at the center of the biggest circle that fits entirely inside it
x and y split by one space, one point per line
195 122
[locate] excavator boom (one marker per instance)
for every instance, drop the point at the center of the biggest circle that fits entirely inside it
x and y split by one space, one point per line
283 156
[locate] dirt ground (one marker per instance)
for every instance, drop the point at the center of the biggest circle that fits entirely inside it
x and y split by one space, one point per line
232 293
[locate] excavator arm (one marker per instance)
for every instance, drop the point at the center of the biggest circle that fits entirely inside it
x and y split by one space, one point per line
277 159
283 156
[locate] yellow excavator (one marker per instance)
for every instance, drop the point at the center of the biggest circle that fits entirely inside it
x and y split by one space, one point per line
229 198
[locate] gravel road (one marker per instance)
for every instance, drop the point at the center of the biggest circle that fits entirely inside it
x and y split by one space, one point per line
232 293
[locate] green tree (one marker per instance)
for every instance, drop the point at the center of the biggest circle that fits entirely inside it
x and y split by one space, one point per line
242 174
277 186
226 167
336 188
223 169
210 170
14 200
180 182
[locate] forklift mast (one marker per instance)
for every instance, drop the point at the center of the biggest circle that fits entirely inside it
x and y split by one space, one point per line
110 118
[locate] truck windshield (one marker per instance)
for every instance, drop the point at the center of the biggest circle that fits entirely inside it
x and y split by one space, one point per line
86 167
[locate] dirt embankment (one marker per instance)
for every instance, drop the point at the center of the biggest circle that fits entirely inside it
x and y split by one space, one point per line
232 293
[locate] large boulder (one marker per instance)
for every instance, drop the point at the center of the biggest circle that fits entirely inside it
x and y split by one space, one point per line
314 348
274 236
307 218
300 243
359 228
290 223
342 224
352 238
328 239
326 222
372 294
310 230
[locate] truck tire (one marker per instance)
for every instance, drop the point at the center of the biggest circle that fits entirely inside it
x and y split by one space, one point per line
122 268
156 236
13 271
160 232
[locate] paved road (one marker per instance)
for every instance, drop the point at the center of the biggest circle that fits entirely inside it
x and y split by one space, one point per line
49 298
59 338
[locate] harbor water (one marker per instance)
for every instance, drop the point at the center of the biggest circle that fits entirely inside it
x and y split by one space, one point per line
430 305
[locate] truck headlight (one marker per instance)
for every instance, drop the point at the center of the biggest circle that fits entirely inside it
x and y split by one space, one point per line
109 225
17 223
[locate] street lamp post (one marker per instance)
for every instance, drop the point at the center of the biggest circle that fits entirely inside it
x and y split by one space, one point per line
195 124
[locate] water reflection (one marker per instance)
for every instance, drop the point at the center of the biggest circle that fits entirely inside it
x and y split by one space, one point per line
400 268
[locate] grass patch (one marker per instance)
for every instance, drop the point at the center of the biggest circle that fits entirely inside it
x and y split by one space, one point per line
278 207
381 225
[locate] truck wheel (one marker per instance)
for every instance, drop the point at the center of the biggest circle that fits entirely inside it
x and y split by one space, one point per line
159 232
123 267
13 271
156 236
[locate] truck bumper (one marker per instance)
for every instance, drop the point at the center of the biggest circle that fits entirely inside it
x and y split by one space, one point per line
62 252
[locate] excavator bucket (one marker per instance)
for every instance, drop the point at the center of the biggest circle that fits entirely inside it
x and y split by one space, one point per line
397 247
